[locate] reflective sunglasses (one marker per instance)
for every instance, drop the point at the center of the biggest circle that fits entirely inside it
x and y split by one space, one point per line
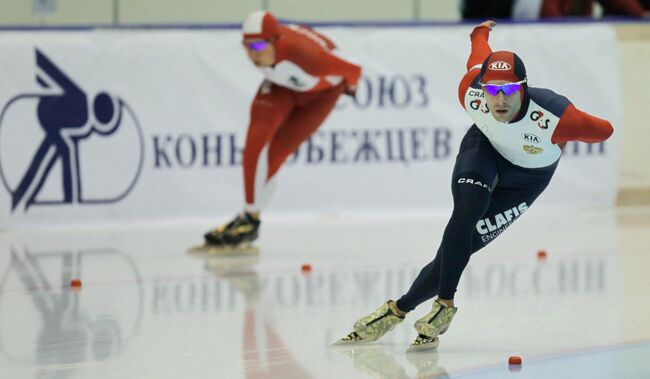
257 45
507 88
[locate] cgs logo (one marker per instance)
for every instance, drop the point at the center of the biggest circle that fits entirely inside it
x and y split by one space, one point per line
528 137
476 105
500 66
60 146
537 116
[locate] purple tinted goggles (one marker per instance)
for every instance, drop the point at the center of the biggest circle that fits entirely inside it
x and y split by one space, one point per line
257 45
507 88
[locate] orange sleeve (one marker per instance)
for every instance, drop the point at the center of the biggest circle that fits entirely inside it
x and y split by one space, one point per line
330 64
480 51
576 125
480 47
317 60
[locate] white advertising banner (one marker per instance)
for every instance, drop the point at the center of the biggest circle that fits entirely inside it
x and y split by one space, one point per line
127 125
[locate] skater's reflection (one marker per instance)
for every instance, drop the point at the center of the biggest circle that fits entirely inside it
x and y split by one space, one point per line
265 353
426 363
68 334
75 326
373 361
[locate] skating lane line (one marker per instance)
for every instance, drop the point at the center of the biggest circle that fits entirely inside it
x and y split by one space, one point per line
547 357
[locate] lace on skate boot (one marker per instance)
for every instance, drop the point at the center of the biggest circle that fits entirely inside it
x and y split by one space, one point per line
434 323
423 342
373 326
240 230
352 337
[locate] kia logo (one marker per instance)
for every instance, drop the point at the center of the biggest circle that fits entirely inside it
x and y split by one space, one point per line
528 137
500 66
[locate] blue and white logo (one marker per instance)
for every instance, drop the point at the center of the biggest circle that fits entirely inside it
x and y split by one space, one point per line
60 145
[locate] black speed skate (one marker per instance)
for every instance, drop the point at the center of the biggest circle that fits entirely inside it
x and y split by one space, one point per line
241 231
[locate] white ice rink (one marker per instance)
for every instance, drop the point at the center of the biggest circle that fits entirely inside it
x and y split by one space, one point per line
147 309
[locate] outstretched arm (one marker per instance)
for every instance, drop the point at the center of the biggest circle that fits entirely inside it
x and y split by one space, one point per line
576 125
331 64
480 47
480 51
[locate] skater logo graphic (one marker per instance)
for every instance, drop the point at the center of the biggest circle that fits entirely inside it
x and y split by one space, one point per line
60 145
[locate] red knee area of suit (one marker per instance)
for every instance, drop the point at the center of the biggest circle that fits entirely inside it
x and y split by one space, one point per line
280 121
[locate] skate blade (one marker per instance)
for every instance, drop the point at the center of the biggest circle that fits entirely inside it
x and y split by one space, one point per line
230 264
343 342
225 250
424 347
